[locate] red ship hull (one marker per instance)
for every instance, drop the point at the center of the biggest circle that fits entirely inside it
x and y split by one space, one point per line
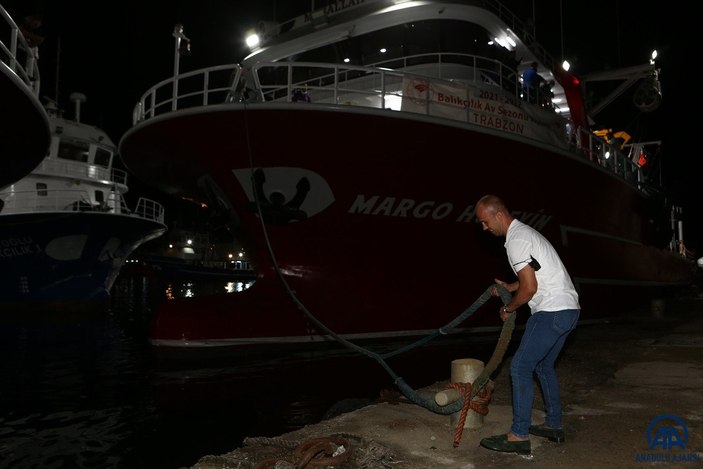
384 242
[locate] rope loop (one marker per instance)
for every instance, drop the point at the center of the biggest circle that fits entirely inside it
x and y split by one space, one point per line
478 404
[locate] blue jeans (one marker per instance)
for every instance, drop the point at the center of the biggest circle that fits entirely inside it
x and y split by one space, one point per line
543 339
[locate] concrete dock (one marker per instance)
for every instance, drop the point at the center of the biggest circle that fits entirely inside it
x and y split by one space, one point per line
632 392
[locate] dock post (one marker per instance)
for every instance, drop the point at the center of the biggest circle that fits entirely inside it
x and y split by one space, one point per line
464 370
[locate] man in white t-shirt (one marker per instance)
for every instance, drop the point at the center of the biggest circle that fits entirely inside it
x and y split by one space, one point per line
545 285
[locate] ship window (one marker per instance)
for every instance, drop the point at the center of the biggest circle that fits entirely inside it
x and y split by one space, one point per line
99 196
102 157
42 189
74 151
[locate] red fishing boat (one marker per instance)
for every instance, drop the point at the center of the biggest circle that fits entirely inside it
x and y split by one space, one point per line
347 152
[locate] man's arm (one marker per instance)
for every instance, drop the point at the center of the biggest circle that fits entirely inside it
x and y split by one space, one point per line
526 288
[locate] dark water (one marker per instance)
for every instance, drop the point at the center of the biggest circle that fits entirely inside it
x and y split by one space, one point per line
88 391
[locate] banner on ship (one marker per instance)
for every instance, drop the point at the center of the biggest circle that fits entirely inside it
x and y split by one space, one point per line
485 106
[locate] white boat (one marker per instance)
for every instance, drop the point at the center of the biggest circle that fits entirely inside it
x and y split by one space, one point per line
66 228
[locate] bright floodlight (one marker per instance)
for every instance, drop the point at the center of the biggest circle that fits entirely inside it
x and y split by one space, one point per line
566 65
654 56
252 40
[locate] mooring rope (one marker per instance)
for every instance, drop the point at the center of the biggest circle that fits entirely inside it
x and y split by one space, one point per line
406 390
479 404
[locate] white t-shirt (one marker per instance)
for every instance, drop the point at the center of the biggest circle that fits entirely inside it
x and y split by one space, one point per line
555 290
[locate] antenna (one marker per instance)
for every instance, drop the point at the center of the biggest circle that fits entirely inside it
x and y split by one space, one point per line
561 26
58 61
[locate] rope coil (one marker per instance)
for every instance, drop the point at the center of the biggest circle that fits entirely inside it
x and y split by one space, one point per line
322 452
317 452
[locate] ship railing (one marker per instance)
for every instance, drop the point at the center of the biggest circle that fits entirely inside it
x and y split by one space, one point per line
149 210
239 265
609 156
383 87
17 54
72 200
213 85
47 200
446 65
380 87
222 84
342 83
521 29
72 169
375 87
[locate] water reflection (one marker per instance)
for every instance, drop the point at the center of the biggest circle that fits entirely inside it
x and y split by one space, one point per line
236 287
173 290
88 391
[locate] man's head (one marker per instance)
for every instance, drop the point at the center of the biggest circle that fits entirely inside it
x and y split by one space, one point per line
493 215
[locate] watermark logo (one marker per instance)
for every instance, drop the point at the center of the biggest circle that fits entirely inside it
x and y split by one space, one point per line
667 436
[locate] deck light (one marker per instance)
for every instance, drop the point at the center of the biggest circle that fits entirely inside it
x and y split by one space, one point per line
252 39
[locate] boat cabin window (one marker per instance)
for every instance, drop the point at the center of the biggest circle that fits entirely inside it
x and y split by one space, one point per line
42 189
102 157
74 150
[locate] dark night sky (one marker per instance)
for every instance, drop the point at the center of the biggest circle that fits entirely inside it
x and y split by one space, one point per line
114 51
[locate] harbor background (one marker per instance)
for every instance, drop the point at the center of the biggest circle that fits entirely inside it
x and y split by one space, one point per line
87 390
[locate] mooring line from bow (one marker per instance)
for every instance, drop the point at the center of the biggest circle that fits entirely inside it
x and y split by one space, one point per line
406 390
